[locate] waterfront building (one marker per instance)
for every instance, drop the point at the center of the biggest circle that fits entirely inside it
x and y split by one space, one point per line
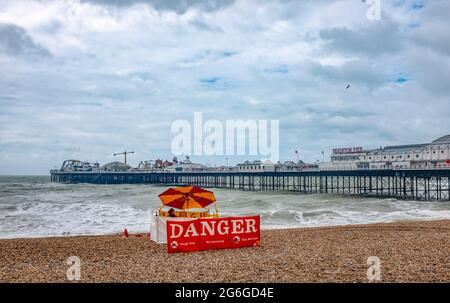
413 156
185 165
257 166
115 167
288 166
247 166
269 166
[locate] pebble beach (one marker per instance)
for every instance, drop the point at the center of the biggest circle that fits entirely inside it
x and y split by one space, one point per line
415 251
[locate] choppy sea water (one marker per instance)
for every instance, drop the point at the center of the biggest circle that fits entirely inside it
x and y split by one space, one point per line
36 207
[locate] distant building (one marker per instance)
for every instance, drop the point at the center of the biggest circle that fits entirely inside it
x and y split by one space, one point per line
288 166
268 166
415 156
115 167
188 165
256 166
161 164
185 165
345 159
248 166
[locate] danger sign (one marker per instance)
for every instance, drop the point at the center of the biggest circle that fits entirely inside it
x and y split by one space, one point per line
209 233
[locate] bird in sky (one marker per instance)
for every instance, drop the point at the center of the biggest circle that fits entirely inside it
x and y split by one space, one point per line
348 86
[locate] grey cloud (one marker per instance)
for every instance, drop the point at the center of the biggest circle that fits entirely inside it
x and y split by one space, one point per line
377 39
436 10
51 27
355 71
112 90
15 41
433 36
434 73
431 31
200 25
178 6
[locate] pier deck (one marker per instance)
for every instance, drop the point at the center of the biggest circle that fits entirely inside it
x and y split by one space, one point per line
400 184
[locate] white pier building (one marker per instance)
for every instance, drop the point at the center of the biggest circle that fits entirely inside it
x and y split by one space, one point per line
415 156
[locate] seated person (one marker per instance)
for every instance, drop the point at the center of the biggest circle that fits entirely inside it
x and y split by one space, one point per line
172 213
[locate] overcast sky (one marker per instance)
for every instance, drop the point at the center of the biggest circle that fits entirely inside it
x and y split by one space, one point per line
86 79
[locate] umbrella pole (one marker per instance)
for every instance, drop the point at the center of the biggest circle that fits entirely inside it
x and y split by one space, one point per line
159 210
217 212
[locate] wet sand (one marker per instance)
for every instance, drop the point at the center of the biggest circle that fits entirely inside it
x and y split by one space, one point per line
409 252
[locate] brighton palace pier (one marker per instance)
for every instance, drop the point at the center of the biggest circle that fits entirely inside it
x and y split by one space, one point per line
414 172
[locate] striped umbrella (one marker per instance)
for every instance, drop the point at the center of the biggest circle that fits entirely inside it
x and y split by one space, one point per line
187 197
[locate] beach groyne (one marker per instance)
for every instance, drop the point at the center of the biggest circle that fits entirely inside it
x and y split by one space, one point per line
399 184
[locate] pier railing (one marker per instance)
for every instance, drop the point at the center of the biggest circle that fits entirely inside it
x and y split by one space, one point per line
402 184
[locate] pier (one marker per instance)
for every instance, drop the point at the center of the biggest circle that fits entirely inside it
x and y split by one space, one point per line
399 184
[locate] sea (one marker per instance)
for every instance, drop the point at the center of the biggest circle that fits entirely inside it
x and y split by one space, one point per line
32 206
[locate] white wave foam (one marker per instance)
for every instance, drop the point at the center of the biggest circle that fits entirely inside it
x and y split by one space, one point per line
52 209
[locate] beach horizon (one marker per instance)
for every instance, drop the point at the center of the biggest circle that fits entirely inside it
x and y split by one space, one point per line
408 251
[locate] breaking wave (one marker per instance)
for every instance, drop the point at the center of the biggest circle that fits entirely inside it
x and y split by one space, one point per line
35 207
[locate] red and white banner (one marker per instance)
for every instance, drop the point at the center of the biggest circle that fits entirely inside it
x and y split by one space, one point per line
209 233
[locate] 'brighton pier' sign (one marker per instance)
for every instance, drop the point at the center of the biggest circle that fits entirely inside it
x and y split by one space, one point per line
347 150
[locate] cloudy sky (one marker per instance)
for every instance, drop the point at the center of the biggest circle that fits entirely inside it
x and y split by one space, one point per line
85 79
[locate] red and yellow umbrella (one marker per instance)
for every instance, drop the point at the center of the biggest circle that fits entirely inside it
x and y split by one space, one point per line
187 197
